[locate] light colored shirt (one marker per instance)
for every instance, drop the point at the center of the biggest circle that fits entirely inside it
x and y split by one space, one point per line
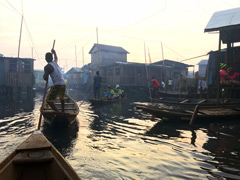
56 75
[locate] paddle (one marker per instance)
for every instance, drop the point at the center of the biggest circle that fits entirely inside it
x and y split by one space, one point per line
44 95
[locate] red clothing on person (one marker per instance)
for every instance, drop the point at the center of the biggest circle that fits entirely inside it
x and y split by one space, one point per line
233 76
155 83
223 73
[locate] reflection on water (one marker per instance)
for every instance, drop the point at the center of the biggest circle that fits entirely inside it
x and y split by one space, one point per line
118 141
63 138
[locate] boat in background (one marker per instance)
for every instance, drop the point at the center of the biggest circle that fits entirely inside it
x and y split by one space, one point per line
105 101
36 158
71 110
191 103
208 114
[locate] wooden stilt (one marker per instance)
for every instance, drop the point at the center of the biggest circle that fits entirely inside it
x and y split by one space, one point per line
194 115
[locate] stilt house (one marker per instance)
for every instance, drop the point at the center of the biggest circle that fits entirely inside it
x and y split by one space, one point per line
227 23
16 74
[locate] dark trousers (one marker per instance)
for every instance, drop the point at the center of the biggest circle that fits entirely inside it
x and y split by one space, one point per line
97 93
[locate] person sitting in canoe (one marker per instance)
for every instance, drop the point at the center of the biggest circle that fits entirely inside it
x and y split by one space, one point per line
233 76
118 91
111 91
223 73
59 86
107 94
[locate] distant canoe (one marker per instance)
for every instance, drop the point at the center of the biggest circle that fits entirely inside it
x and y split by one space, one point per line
191 103
184 114
69 115
105 101
36 158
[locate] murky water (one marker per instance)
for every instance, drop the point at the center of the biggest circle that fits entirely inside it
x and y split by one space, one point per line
122 142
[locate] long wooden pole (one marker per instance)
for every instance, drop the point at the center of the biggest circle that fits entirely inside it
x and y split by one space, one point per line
53 44
76 55
44 95
20 37
147 72
41 110
97 34
83 55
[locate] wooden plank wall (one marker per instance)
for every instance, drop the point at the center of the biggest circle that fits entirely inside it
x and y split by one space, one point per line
19 79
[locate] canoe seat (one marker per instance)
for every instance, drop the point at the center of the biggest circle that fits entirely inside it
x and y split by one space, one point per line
60 109
64 103
189 111
35 156
202 101
184 101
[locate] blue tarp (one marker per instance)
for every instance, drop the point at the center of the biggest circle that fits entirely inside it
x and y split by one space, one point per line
210 68
85 78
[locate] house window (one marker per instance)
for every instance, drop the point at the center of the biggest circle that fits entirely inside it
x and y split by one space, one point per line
13 66
118 71
139 71
105 72
128 71
110 72
26 66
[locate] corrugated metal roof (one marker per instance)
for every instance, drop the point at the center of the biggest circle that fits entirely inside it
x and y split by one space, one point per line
223 19
203 62
15 58
74 70
134 64
172 63
102 47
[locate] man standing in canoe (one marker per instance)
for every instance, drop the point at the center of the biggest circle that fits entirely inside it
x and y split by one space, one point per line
59 86
97 85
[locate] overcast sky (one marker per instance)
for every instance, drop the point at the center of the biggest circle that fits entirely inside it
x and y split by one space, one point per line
174 27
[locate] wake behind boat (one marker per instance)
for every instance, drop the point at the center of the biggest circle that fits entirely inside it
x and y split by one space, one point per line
69 115
36 158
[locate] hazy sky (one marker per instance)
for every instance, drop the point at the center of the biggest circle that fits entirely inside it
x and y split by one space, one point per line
176 25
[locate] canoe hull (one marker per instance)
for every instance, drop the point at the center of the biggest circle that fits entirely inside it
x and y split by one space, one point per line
36 158
183 114
105 101
65 118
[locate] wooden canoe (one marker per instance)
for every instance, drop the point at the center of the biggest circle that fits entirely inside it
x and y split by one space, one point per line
104 101
184 114
69 115
36 158
191 103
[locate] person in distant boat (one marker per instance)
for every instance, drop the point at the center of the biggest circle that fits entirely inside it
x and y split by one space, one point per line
162 85
223 73
107 94
156 85
97 85
112 92
118 92
59 86
232 75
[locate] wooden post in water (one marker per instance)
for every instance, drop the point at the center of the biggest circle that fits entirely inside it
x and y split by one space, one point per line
194 115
